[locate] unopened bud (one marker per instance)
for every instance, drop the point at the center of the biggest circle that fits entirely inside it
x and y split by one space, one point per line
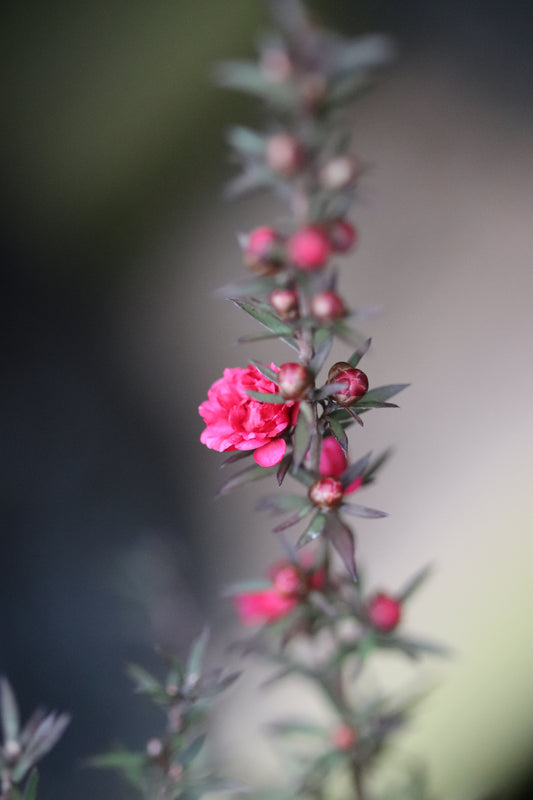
154 748
261 250
313 88
326 493
289 580
344 737
285 303
384 612
175 772
327 306
339 173
12 750
294 380
355 383
284 154
342 236
309 248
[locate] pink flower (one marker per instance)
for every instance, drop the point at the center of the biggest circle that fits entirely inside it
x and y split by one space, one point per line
291 584
235 421
333 462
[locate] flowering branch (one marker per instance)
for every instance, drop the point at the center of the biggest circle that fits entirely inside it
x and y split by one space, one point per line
284 420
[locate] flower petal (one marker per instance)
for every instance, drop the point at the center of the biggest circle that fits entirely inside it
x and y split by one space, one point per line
271 453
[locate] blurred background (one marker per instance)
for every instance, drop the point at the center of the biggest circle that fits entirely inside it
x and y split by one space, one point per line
113 237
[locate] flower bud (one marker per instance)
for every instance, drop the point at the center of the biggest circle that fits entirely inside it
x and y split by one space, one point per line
289 580
276 65
339 173
154 748
294 380
342 236
355 380
326 493
384 612
327 306
313 88
261 251
12 751
285 303
309 248
284 154
344 737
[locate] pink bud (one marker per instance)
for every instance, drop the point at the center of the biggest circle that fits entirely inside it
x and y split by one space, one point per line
384 612
309 248
289 580
342 236
294 380
333 462
261 251
355 381
285 303
327 306
344 737
339 173
284 154
326 493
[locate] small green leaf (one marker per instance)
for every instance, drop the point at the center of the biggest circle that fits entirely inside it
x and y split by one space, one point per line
383 393
9 712
294 519
130 765
265 317
415 583
144 680
279 504
338 433
357 510
246 141
313 530
266 397
356 357
247 475
302 435
249 288
266 371
342 539
323 343
196 657
374 466
192 750
347 334
355 470
30 790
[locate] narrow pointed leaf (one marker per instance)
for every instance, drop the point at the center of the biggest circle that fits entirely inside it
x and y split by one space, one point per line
192 750
357 510
283 468
9 712
329 389
355 470
279 504
247 475
246 141
339 434
266 371
383 393
323 343
234 457
144 681
302 435
266 318
249 288
356 357
342 539
266 397
196 657
415 583
294 519
347 334
374 466
313 530
30 790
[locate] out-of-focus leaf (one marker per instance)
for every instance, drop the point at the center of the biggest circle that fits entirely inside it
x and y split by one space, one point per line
303 476
296 726
283 468
329 389
279 504
382 393
415 583
192 750
266 317
338 433
347 88
144 681
355 470
356 357
323 343
266 397
251 179
193 669
302 435
266 371
130 765
30 790
413 648
9 712
250 288
243 587
357 510
294 519
313 530
246 76
374 466
342 539
347 334
246 141
46 735
247 475
234 457
223 683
